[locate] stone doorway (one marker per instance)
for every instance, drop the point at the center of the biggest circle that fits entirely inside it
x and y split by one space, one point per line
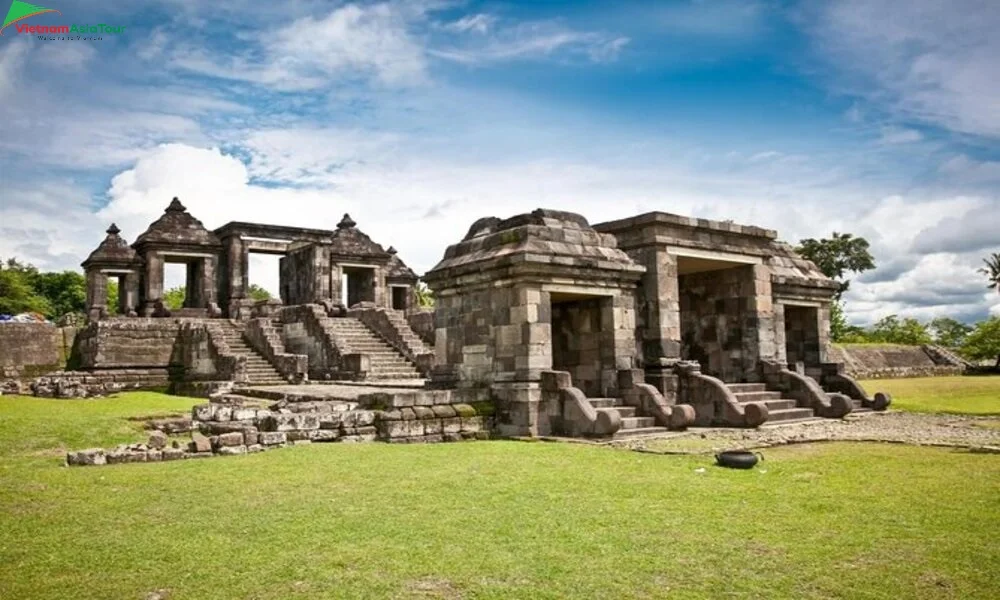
358 284
716 316
581 343
802 340
398 299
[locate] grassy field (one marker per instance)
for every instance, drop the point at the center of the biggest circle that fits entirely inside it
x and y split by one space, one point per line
979 395
482 519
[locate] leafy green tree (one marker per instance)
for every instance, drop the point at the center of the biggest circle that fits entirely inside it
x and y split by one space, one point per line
992 271
837 255
66 292
112 296
893 330
423 294
983 343
17 292
258 293
173 298
948 332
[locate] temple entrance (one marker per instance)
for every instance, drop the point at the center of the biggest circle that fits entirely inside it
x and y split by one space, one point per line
358 284
715 317
802 344
579 343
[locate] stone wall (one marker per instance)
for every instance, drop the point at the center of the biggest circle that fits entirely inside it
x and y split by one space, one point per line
877 361
88 384
422 323
126 343
719 326
28 350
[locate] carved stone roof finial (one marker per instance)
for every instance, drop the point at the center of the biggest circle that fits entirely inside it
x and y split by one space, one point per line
113 230
391 250
176 206
346 223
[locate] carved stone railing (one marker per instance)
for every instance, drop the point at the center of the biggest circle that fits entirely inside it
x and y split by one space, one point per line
569 411
835 379
392 327
308 330
805 390
265 339
713 402
650 402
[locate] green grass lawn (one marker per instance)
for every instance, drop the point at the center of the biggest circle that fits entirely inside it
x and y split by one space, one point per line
973 395
483 519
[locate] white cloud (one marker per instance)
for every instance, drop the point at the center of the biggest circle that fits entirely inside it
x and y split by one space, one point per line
930 60
900 135
532 40
12 58
478 23
371 42
65 57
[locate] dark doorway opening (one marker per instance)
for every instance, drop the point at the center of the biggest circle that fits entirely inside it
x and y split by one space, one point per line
802 335
578 345
399 297
359 285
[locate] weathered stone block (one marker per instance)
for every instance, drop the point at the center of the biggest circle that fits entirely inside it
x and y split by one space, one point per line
271 438
157 440
324 435
232 450
234 438
91 456
172 454
451 425
444 411
200 443
432 426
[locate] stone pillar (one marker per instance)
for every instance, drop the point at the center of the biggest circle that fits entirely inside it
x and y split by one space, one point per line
234 261
97 294
823 323
658 304
758 321
152 282
208 281
780 343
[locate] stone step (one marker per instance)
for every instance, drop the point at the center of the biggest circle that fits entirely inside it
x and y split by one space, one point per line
739 388
781 404
789 414
626 411
757 396
637 422
603 402
644 431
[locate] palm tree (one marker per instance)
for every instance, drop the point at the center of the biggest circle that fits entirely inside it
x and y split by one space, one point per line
423 294
992 271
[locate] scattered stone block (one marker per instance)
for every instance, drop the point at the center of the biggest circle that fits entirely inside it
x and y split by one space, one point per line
271 438
158 440
200 443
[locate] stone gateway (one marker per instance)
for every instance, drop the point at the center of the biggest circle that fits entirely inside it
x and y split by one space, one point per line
543 325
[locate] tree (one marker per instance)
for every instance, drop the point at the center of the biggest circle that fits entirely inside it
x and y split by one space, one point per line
258 293
17 294
983 343
173 299
423 295
66 292
948 332
892 330
839 254
992 271
112 296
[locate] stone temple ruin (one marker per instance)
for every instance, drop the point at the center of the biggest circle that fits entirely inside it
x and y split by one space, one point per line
543 325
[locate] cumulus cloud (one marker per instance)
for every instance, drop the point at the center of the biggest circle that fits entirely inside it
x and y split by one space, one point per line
975 230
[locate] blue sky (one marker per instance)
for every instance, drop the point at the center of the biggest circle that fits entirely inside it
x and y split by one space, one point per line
877 117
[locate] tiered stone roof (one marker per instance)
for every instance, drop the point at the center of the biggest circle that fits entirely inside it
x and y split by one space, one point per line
548 239
349 241
113 251
176 227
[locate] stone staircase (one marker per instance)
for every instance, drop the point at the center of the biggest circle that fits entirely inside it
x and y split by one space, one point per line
632 425
259 370
779 409
353 336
